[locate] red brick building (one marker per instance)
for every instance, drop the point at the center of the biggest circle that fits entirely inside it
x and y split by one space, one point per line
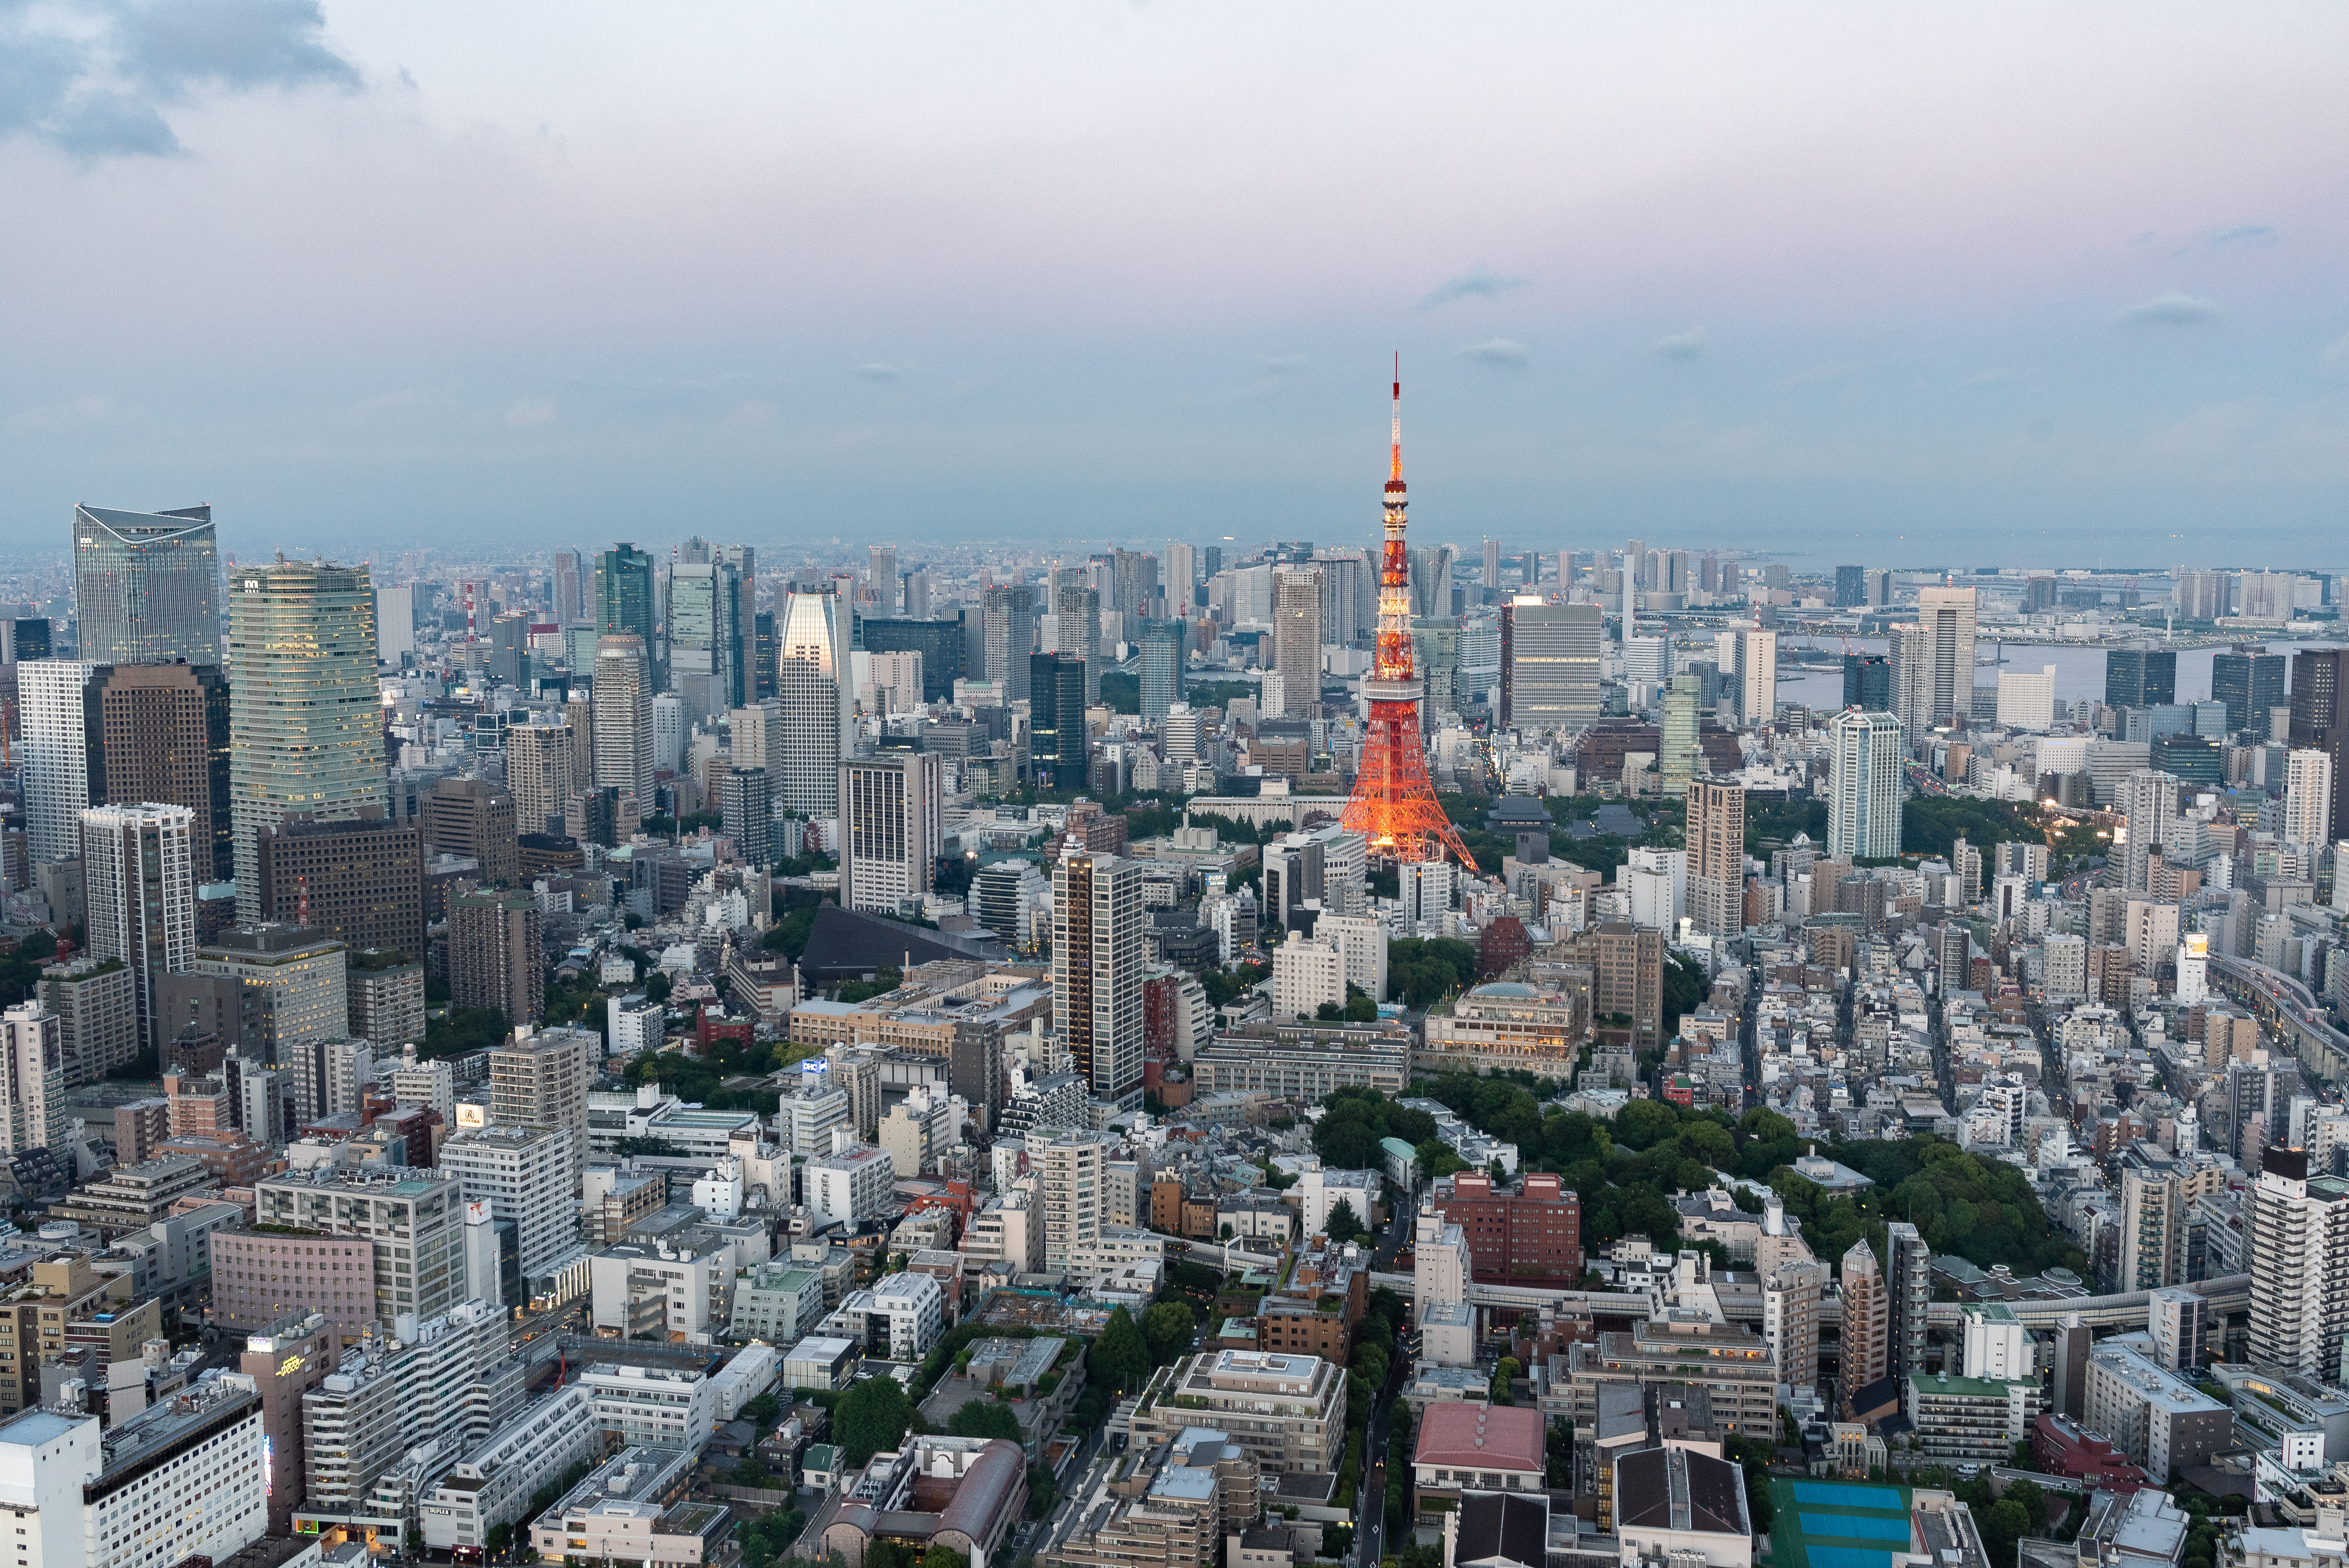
2063 1447
1528 1234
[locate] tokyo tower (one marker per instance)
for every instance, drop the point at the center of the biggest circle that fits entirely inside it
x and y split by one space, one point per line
1394 805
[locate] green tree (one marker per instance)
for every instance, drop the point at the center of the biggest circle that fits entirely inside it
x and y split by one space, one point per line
944 1557
871 1418
1343 1225
984 1418
752 1474
500 1537
1168 1326
1120 1363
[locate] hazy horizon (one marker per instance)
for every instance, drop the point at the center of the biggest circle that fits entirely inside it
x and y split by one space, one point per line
2002 287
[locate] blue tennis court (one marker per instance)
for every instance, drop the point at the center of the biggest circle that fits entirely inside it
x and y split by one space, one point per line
1855 1527
1848 1496
1847 1557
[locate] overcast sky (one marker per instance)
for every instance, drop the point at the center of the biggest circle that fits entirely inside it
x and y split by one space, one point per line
1974 283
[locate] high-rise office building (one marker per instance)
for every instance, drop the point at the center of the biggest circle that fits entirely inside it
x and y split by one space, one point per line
1009 636
1211 560
1851 587
540 1077
160 734
891 827
540 768
474 820
745 808
359 882
2319 720
569 586
1297 635
306 716
1161 675
818 704
138 886
147 587
497 956
1933 662
624 593
1182 574
1554 666
33 1095
2308 797
622 694
2141 676
881 575
940 644
26 637
1864 785
765 649
2250 681
1677 754
1868 682
1056 732
1716 857
298 977
1097 963
53 724
509 648
2296 1245
706 624
1076 611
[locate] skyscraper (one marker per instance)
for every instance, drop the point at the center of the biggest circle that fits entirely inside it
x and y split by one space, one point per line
1097 963
138 883
745 808
706 643
359 882
497 956
306 717
1182 563
1851 587
1057 739
1864 784
1297 635
764 649
147 587
1161 668
1933 662
2250 681
2148 800
1009 610
539 770
52 721
2320 719
1491 571
1866 1323
1868 682
1076 610
2140 677
624 593
891 830
1677 752
2296 1245
2307 799
881 573
31 1078
1552 666
160 734
1716 851
623 724
818 711
1908 1291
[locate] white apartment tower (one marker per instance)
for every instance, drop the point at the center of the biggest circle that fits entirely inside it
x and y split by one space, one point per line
138 882
1072 1172
623 722
32 1057
1865 761
1933 662
57 756
2296 1240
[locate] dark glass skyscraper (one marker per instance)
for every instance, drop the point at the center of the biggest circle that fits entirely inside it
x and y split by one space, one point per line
147 587
2250 681
1056 722
1162 671
940 643
1851 588
2320 718
1868 682
2140 677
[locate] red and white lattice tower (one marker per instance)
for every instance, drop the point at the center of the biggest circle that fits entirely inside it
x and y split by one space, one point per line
1394 805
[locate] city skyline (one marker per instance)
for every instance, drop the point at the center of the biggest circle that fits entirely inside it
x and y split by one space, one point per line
1916 294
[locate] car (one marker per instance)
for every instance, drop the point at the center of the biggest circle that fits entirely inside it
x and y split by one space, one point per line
1968 1472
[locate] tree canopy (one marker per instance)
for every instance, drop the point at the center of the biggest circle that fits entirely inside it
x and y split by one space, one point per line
872 1417
1354 1120
1120 1362
984 1418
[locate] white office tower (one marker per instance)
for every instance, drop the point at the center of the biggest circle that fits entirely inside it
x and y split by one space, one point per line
668 732
32 1056
524 1174
2193 969
1758 675
890 831
1439 1292
811 684
2308 797
2026 701
139 886
1933 662
1997 1345
1179 734
1297 634
1182 566
2296 1244
1864 775
1097 963
623 716
1072 1178
1361 943
1425 889
2147 798
56 758
1647 665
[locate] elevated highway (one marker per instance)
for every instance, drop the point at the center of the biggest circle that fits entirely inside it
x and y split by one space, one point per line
2286 1005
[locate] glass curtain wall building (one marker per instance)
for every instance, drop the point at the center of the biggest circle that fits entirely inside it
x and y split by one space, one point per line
147 587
